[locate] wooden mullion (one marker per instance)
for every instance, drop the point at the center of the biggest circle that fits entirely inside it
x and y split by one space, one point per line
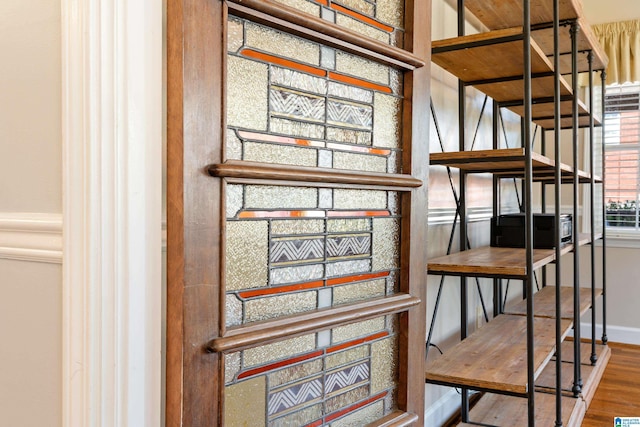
265 332
322 31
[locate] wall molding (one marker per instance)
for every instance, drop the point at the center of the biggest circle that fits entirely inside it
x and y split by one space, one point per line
440 412
112 202
33 237
619 334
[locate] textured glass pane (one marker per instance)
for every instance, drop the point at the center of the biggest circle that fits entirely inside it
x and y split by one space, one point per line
359 291
272 352
285 399
234 146
273 41
352 93
297 227
272 197
348 267
384 360
359 162
293 128
278 306
296 274
356 330
308 6
234 199
391 12
386 127
236 398
361 67
247 259
346 357
349 135
346 399
288 250
359 199
247 93
386 243
235 35
344 113
232 365
348 245
234 310
363 28
362 417
270 153
344 225
297 80
359 6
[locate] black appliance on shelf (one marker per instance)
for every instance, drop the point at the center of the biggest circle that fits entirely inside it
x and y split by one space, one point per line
507 231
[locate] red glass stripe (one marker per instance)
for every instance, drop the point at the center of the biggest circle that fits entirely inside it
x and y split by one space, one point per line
358 213
356 278
352 408
280 139
357 342
277 365
250 53
282 214
358 82
316 424
361 17
358 149
281 289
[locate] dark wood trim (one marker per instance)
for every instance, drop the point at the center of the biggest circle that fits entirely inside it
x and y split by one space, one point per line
310 27
195 113
287 327
413 280
396 419
267 171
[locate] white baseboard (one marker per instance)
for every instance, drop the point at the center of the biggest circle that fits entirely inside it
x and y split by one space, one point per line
440 412
35 237
620 334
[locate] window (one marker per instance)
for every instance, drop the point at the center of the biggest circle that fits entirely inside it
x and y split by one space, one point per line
622 157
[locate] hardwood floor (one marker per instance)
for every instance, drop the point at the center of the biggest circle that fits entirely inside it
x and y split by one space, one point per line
618 394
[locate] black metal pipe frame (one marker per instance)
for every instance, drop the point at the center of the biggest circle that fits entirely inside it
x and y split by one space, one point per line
605 339
543 196
497 283
526 24
592 197
464 298
557 132
577 377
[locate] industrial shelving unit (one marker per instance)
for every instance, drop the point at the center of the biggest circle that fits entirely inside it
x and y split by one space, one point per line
522 63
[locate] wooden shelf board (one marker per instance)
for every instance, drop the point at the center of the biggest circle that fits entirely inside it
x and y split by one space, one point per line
509 411
542 114
586 41
496 14
489 261
545 302
493 358
505 163
494 58
591 375
502 14
508 90
585 238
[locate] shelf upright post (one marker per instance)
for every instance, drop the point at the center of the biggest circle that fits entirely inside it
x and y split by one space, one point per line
557 132
543 194
577 380
605 339
497 283
526 26
592 196
464 297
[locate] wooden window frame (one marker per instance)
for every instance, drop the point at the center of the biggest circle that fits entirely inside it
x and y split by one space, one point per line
195 223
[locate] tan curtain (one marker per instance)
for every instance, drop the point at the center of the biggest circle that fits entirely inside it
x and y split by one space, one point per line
621 42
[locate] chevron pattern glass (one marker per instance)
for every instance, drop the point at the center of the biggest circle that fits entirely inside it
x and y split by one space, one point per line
347 378
296 102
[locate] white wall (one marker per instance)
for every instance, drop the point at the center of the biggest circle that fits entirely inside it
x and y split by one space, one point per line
599 12
30 182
